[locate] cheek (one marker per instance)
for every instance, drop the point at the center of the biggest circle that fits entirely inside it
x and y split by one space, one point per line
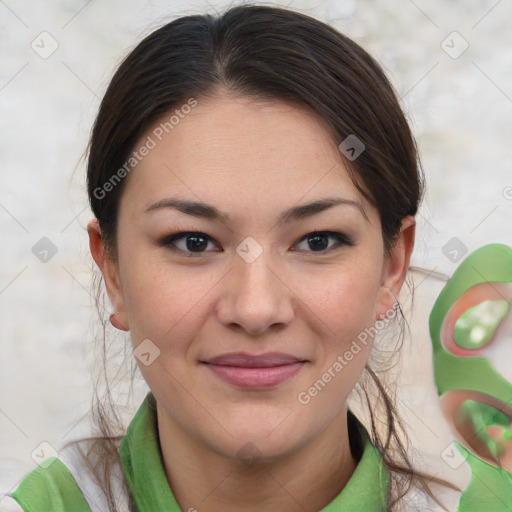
161 299
343 304
351 310
166 305
348 298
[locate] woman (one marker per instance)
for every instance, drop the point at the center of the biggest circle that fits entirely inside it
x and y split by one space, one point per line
254 184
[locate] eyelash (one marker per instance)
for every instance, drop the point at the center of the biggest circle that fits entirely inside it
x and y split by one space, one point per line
169 241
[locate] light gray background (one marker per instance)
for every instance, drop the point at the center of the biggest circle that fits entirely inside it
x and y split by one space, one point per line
459 108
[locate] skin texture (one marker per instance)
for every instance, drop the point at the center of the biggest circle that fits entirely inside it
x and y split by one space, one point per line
251 160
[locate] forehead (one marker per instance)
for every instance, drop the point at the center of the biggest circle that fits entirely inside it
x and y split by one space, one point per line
240 151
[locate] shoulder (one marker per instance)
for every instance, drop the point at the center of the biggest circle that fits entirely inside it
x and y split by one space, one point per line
65 483
50 486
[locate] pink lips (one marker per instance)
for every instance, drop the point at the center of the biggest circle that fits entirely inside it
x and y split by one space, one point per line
255 371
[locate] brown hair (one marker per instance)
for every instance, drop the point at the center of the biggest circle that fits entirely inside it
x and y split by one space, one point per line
263 53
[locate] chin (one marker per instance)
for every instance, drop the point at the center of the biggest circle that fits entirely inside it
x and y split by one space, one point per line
259 440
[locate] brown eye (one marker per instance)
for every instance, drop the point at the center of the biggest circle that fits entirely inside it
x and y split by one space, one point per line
194 242
318 241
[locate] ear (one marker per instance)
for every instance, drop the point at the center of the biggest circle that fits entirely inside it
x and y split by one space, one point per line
395 268
110 272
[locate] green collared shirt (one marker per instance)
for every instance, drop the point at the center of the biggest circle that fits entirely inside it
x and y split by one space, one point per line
55 489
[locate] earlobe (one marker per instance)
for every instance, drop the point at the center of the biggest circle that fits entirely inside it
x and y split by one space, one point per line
395 268
389 312
110 274
117 323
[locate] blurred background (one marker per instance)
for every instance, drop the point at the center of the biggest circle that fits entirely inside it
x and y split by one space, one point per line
452 67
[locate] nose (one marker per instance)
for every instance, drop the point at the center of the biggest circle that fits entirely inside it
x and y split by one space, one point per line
256 297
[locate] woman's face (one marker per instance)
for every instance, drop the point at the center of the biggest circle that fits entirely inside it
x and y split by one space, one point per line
254 280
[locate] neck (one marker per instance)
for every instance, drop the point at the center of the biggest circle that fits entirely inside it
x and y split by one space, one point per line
305 481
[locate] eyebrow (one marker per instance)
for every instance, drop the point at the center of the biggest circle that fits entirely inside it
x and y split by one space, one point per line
207 211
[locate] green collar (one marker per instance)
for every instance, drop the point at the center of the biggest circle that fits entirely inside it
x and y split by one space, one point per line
145 474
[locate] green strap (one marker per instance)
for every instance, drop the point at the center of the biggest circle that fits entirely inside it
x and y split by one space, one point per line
142 464
491 263
367 488
51 488
489 489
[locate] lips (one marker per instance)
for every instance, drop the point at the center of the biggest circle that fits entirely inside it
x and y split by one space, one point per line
243 359
255 371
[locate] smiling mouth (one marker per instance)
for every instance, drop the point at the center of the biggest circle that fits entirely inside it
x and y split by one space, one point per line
255 371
